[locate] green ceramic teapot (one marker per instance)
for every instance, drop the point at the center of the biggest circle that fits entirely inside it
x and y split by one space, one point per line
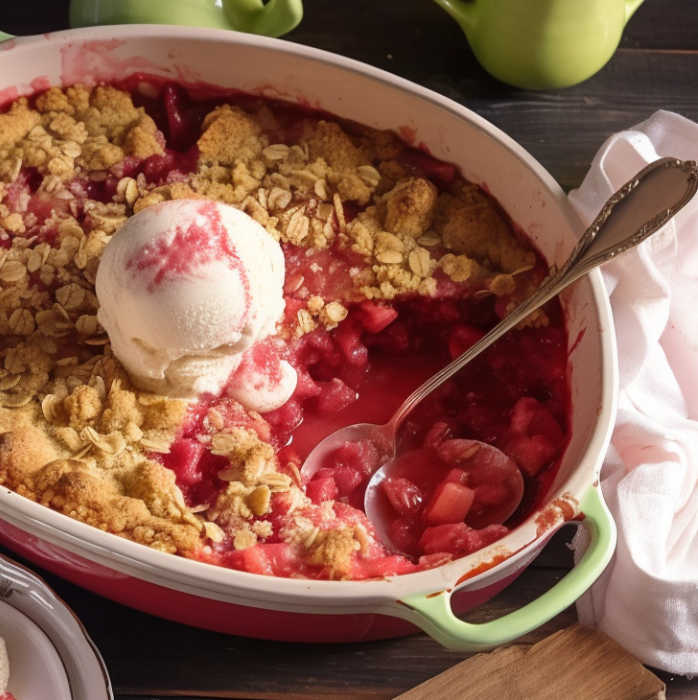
274 18
537 44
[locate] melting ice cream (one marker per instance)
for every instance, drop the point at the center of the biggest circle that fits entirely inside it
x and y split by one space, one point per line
186 289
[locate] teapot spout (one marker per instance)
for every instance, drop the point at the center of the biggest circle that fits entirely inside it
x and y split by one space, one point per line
274 18
463 11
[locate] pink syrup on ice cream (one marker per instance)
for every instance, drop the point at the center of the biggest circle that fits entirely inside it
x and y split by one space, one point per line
194 245
262 362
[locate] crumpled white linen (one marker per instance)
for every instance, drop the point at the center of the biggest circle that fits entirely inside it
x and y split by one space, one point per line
647 599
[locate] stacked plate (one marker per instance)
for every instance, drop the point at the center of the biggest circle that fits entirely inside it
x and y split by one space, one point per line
51 655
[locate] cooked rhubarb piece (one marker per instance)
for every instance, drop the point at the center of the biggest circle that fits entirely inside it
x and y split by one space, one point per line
537 438
449 504
405 497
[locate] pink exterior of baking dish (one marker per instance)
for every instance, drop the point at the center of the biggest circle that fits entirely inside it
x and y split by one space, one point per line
220 616
293 609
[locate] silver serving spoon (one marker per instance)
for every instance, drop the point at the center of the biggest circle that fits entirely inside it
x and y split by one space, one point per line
636 210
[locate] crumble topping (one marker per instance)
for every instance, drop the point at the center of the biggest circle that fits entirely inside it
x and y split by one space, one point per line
333 549
75 128
229 137
75 435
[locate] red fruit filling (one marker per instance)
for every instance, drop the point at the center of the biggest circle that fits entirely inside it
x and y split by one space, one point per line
443 501
447 496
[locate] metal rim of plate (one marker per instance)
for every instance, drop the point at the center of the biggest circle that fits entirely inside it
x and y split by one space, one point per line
32 596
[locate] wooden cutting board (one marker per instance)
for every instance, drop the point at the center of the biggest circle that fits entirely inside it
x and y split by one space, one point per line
577 663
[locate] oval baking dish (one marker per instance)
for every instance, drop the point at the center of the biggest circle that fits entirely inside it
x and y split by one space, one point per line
296 609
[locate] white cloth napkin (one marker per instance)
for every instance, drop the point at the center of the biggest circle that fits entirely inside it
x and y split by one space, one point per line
647 599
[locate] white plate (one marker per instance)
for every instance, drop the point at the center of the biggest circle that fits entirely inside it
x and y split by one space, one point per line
26 645
51 655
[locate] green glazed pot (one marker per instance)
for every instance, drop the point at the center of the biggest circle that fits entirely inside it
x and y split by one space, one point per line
274 18
542 44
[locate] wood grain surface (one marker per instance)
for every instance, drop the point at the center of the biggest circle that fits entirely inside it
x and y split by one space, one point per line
575 663
656 67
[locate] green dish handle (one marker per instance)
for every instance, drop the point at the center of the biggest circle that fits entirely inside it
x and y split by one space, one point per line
4 36
435 616
273 18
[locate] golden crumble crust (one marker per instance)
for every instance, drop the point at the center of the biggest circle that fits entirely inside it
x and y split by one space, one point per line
74 128
142 504
327 140
73 488
252 475
57 100
156 487
410 206
333 550
469 224
23 447
382 146
229 136
16 123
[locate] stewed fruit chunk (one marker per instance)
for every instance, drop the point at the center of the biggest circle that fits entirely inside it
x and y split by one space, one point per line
477 539
343 471
450 496
323 489
462 337
347 479
183 458
532 453
363 456
348 339
275 559
438 433
459 538
404 535
450 538
531 417
458 476
449 504
334 396
536 437
493 477
375 317
404 496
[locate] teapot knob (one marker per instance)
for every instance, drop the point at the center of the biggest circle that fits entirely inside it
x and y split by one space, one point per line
274 18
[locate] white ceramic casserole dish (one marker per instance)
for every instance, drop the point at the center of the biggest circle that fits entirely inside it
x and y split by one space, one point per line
243 603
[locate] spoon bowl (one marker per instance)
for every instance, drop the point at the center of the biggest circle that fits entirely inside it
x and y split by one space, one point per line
478 457
380 436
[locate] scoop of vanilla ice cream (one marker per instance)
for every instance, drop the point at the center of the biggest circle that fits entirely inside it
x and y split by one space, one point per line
184 288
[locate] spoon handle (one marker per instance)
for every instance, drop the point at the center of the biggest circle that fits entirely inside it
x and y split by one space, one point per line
641 206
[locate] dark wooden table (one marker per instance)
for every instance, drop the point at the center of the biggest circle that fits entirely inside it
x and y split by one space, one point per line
656 67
